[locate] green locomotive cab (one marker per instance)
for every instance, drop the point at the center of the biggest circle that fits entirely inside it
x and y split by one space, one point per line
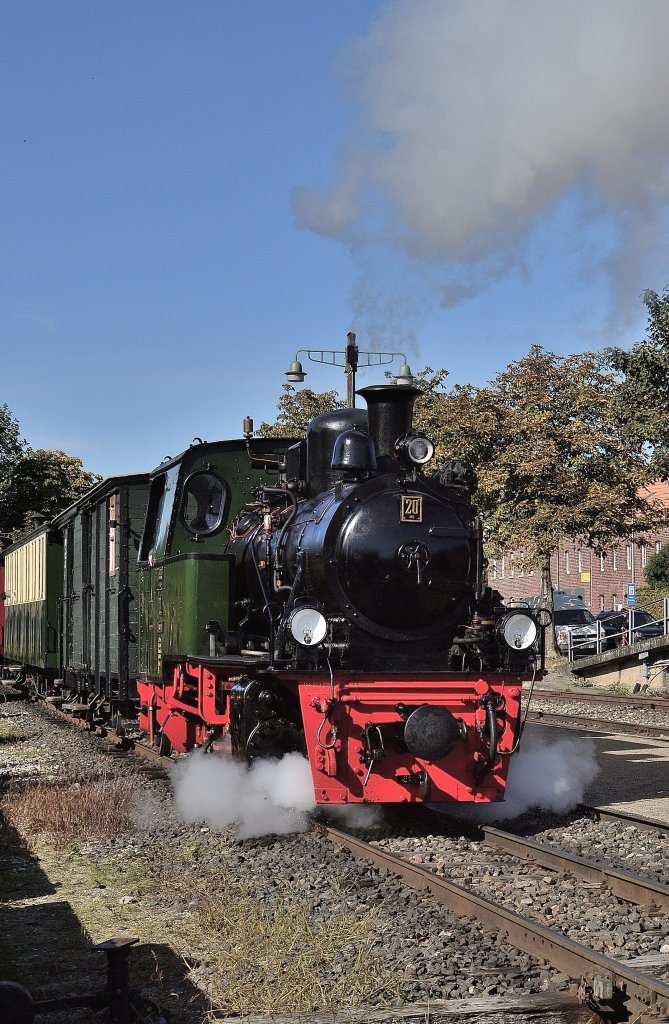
185 585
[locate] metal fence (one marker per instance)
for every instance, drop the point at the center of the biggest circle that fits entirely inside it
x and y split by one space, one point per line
605 641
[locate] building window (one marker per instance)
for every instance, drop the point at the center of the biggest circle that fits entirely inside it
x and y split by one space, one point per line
614 601
502 569
494 568
511 571
580 561
601 602
602 561
657 547
615 560
630 551
566 561
644 555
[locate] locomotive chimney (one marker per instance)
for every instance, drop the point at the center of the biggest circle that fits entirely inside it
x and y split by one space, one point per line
390 412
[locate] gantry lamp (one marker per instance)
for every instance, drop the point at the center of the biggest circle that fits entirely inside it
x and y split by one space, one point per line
350 359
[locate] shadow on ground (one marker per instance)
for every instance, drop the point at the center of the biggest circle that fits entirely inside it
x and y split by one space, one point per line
44 947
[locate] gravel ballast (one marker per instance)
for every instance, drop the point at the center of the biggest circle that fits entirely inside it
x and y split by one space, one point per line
155 880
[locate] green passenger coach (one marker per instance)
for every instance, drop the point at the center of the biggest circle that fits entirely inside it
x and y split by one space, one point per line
100 535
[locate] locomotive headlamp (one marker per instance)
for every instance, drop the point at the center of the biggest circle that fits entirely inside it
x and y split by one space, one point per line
307 626
518 630
414 449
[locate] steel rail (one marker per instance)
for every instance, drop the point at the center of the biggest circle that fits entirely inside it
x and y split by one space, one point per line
586 724
587 696
121 743
623 884
624 818
570 957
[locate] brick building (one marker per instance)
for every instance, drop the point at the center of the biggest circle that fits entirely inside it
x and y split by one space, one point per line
601 580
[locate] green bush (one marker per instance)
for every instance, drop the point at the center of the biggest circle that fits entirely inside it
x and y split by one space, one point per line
657 569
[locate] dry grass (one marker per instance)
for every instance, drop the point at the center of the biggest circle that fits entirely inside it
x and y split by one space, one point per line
94 809
286 959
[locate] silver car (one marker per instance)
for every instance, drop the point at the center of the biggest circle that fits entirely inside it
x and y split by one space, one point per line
581 625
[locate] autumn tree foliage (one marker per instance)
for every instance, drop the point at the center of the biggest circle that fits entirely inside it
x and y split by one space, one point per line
550 457
297 406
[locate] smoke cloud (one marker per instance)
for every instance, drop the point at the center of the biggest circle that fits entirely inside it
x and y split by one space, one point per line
270 798
477 123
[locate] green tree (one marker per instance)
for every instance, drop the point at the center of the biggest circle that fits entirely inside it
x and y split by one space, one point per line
550 459
657 569
45 482
642 399
11 450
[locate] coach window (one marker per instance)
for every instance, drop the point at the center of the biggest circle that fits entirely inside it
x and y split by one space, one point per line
203 503
113 534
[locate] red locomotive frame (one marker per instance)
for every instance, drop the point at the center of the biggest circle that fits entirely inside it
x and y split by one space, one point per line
193 710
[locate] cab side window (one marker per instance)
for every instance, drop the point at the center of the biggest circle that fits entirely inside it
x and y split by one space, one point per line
204 503
159 515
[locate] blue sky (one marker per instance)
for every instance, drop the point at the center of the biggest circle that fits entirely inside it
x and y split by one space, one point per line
190 192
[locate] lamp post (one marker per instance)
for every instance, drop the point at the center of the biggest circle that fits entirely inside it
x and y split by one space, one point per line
351 358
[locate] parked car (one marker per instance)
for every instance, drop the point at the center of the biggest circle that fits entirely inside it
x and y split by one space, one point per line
644 626
581 625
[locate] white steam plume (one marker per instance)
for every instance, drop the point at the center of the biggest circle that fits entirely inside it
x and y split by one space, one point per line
272 797
477 120
553 776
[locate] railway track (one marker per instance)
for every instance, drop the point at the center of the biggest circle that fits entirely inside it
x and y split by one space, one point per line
616 989
592 696
638 715
588 724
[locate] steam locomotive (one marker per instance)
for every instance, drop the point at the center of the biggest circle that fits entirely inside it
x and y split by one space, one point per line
260 596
